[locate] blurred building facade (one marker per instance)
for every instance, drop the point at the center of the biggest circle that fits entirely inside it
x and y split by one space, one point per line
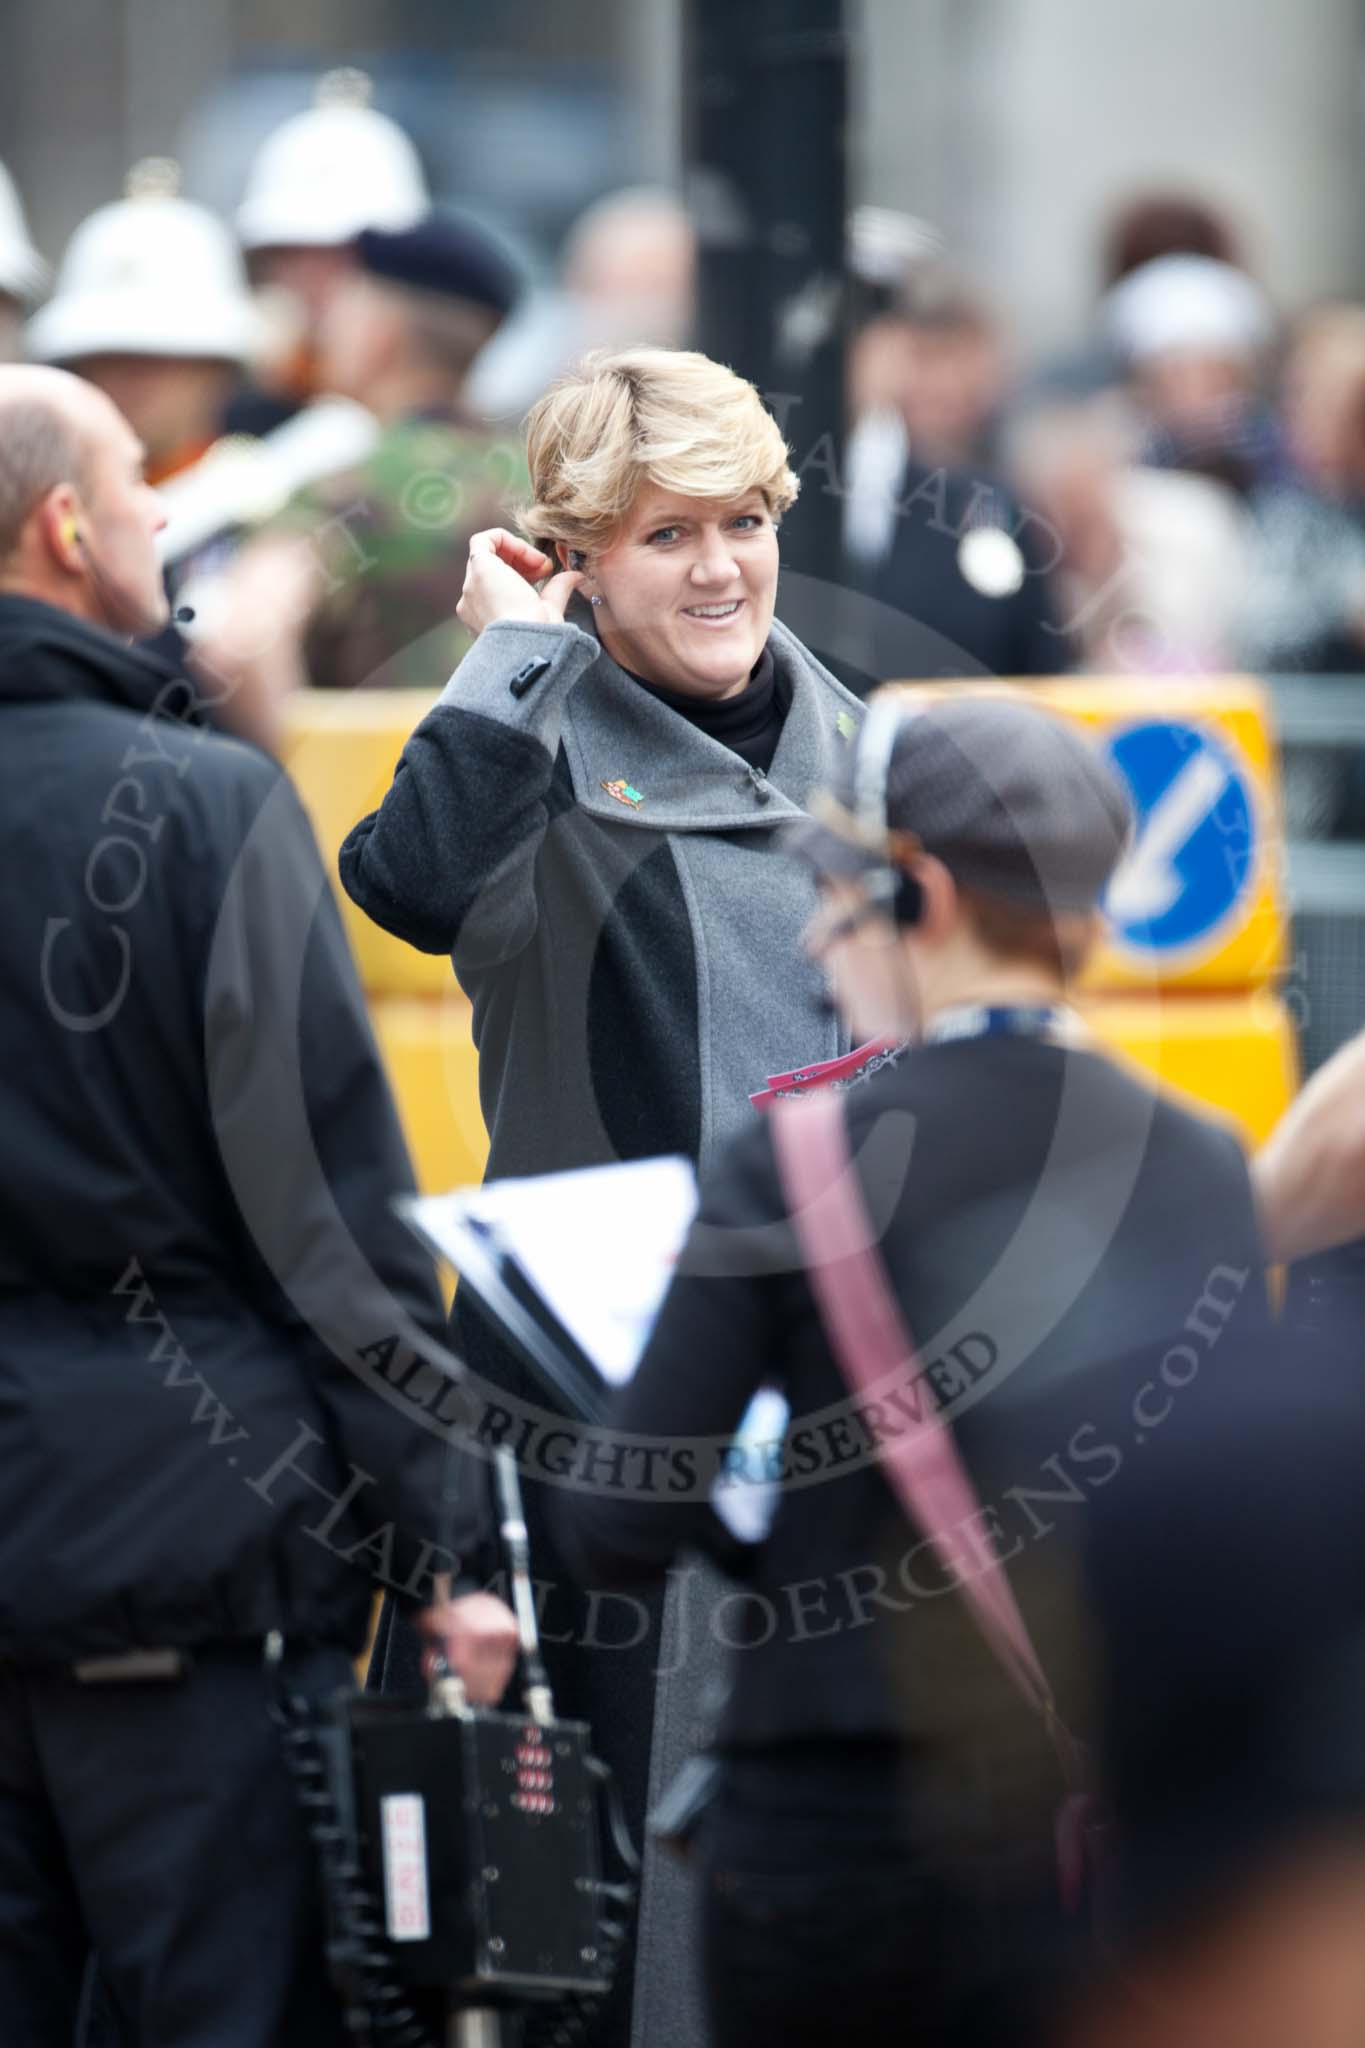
528 111
1013 126
1018 126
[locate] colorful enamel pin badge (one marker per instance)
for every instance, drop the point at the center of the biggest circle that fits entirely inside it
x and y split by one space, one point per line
624 792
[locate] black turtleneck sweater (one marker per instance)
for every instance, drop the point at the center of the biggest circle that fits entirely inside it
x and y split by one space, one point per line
749 724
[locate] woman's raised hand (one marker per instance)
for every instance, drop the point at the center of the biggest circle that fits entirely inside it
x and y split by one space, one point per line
499 583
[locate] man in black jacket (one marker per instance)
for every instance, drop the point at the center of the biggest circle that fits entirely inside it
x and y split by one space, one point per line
220 1416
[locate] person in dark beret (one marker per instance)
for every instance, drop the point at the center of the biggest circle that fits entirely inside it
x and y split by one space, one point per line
370 601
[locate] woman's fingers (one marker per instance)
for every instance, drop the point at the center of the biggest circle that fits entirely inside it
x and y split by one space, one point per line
557 592
497 588
501 571
508 547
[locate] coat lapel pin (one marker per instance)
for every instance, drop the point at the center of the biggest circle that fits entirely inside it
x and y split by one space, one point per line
846 725
624 793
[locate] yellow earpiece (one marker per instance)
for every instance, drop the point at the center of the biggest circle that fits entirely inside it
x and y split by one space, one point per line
71 533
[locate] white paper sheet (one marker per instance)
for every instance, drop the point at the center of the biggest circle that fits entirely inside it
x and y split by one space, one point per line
599 1246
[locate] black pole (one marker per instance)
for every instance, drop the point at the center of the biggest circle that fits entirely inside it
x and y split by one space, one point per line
765 104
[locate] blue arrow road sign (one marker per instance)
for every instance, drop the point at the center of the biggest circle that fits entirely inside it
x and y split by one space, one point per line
1196 836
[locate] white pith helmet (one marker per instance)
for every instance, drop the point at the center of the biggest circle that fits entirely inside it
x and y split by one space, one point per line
23 272
327 173
149 275
1187 304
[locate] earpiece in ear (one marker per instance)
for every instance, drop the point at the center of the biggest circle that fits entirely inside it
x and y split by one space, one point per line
71 533
578 560
907 906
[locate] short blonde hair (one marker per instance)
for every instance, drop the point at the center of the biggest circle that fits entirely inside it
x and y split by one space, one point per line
623 418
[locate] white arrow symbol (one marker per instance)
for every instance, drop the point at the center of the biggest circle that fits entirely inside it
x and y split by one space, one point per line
1148 883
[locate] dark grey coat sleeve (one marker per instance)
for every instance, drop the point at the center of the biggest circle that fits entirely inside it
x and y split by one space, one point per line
448 860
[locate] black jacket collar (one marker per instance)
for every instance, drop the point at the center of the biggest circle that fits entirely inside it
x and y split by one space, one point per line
47 656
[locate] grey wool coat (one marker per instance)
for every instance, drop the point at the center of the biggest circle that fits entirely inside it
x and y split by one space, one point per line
609 883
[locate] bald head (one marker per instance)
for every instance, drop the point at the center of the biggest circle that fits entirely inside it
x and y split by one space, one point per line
61 390
47 421
77 521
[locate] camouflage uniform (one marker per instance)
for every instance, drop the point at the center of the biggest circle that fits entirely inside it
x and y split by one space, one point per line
392 536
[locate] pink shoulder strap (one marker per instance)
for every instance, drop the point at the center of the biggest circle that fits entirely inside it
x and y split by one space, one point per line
875 1352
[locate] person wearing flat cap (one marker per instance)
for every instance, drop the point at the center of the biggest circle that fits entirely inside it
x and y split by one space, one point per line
878 1857
358 576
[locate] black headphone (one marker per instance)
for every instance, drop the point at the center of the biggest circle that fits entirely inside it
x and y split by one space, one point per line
898 895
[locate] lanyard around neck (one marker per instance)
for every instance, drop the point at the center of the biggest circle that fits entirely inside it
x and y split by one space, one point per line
1055 1022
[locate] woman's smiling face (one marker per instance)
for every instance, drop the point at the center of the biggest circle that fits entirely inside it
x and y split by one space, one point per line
687 589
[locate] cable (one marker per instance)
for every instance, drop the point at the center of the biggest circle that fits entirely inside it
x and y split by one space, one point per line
516 1546
616 1815
565 2025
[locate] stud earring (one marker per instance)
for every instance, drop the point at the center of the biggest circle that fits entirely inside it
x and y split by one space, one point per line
594 600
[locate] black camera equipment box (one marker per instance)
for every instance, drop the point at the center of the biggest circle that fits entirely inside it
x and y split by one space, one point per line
478 1834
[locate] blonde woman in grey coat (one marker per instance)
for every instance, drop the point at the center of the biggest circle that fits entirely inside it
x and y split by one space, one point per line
589 824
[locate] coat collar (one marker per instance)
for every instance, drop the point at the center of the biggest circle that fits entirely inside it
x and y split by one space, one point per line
615 732
46 655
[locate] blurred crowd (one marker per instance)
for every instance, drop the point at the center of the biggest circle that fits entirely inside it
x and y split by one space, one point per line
328 390
1185 485
329 387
